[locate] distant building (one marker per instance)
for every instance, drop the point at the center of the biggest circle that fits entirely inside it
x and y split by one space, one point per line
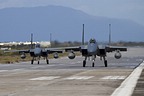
5 49
43 43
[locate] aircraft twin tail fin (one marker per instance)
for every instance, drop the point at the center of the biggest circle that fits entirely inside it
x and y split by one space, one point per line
109 34
83 35
31 46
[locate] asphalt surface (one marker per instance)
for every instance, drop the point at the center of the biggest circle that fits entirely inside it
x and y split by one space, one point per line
139 89
65 77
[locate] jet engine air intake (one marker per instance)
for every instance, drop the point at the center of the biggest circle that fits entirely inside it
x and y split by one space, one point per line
117 54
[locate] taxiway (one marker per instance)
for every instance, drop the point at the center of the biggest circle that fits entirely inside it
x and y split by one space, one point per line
64 77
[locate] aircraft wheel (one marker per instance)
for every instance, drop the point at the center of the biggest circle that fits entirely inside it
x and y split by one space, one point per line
47 61
84 63
105 62
32 61
38 62
93 64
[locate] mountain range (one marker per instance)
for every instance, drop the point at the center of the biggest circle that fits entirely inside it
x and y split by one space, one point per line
65 24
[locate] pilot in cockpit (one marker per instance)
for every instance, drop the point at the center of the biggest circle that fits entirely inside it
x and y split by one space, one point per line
92 40
37 45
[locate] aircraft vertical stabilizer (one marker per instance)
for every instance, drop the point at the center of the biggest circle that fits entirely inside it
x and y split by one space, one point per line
109 34
31 46
83 35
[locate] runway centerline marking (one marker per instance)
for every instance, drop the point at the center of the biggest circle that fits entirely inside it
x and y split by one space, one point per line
46 78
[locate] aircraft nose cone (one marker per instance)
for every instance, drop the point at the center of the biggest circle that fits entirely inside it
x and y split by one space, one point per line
37 52
92 53
92 50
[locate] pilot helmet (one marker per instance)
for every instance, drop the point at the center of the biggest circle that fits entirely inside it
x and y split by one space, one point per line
92 40
37 45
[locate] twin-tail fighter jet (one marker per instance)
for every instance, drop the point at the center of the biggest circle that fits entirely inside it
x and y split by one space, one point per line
92 49
37 52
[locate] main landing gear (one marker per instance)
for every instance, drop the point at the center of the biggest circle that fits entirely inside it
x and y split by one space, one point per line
105 61
84 63
32 61
47 61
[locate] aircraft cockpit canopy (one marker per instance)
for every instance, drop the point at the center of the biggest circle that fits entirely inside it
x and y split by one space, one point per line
92 41
37 45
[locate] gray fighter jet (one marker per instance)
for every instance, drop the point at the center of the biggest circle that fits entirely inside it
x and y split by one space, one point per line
38 52
93 50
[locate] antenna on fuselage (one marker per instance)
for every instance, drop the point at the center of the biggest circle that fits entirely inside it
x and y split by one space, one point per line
31 46
109 34
83 35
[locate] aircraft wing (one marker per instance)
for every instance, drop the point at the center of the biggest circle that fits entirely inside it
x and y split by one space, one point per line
114 48
75 48
53 51
20 51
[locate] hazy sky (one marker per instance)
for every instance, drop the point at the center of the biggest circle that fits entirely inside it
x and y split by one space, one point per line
128 9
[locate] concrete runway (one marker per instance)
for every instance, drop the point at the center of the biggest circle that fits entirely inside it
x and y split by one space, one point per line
65 77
